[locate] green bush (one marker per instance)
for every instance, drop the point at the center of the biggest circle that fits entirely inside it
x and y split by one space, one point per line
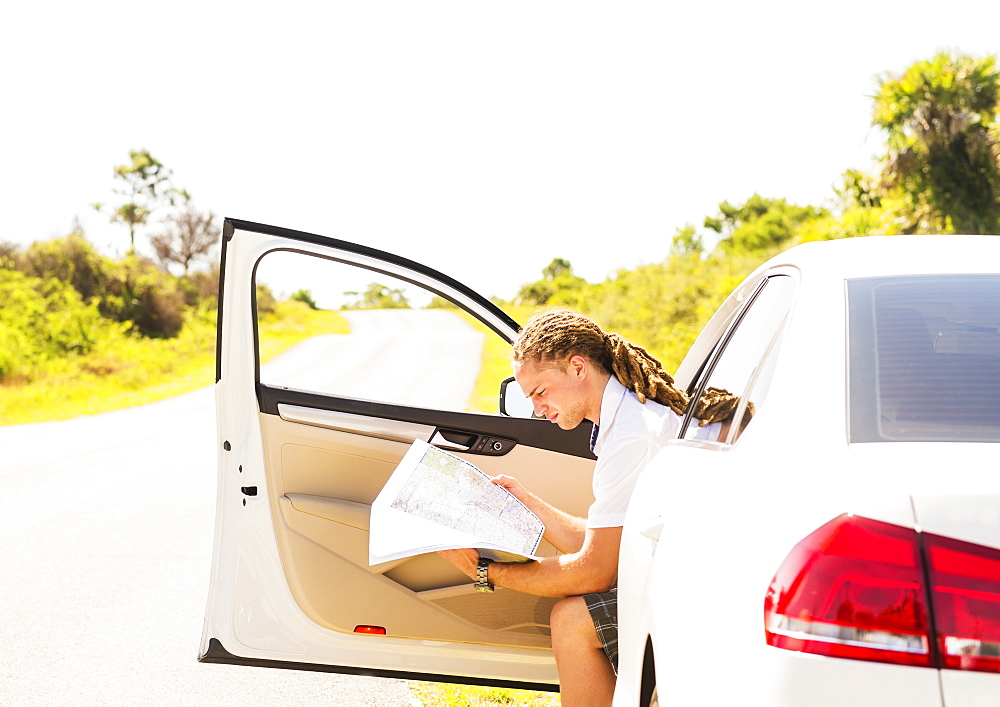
43 321
202 287
304 296
140 293
72 260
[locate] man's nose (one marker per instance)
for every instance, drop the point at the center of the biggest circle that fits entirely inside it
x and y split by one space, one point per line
538 407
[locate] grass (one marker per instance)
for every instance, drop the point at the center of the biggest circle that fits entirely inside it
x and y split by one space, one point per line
433 694
496 365
135 371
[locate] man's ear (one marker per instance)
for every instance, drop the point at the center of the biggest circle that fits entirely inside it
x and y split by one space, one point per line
578 366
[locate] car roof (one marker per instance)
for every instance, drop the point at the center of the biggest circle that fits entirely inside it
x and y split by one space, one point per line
879 256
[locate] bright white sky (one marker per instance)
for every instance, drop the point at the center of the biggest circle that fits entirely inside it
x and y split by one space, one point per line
482 139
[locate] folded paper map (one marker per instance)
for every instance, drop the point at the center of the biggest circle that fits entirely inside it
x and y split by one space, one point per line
438 501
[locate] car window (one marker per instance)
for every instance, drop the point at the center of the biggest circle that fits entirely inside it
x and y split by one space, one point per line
743 362
924 358
400 343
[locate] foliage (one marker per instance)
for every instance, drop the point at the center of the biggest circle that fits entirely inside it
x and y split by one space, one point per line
558 286
664 306
72 260
190 236
377 296
146 187
858 189
495 362
8 254
43 321
122 370
266 301
140 293
760 224
687 241
433 693
202 286
131 290
305 296
63 300
557 268
438 302
941 169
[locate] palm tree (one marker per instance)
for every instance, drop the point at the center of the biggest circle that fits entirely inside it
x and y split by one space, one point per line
943 161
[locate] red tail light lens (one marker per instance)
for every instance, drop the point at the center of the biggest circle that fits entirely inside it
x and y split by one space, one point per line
851 589
965 583
856 588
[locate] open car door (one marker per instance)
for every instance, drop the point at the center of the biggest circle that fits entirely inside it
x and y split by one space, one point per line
307 440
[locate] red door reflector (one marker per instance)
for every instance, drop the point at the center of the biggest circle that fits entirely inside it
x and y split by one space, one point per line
375 630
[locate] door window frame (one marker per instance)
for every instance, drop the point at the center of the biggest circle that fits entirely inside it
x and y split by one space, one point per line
704 374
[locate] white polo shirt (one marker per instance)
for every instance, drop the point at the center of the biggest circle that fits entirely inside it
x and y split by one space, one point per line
629 435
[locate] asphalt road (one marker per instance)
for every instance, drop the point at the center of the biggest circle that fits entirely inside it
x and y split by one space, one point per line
106 527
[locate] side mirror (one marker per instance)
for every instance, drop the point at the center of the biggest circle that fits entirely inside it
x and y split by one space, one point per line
513 401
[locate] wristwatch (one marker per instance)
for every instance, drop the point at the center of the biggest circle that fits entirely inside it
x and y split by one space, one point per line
482 579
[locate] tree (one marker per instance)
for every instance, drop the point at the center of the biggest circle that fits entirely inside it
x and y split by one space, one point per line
760 225
305 297
140 293
72 260
687 241
377 297
145 187
190 235
557 268
558 286
942 163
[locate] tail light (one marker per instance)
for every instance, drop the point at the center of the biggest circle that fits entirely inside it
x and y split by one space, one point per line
862 589
966 589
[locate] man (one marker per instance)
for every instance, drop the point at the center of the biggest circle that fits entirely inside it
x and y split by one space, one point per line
573 371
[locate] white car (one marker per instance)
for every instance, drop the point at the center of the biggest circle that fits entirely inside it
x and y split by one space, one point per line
834 455
844 548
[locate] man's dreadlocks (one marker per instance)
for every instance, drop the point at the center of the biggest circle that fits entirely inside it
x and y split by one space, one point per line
549 338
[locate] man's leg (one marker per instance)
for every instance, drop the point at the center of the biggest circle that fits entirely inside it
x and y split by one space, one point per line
585 673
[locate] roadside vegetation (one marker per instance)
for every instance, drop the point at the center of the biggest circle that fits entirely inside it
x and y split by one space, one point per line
434 693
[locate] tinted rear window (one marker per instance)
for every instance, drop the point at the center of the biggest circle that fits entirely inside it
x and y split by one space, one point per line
924 358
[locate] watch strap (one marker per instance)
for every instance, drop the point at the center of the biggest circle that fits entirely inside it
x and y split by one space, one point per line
482 583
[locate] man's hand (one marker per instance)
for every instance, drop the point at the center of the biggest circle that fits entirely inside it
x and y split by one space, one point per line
465 559
512 485
564 531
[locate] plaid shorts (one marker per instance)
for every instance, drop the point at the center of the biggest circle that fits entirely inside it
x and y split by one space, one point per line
603 608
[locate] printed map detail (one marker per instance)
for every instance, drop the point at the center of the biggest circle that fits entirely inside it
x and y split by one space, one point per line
435 500
449 491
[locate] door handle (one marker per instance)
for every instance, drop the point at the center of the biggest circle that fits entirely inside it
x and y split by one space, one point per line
458 441
450 439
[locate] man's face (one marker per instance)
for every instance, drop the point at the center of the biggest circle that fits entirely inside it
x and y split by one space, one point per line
556 393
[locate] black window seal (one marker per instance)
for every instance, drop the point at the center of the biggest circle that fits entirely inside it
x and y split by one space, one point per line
706 371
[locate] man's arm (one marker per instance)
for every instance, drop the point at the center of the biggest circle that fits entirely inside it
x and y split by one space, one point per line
594 568
564 531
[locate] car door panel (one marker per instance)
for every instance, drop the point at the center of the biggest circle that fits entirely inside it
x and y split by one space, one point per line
322 482
298 471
